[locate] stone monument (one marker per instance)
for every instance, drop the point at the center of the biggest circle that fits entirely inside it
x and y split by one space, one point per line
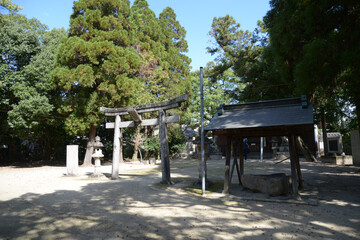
72 159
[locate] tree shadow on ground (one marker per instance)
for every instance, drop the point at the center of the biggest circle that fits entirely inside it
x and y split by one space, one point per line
132 209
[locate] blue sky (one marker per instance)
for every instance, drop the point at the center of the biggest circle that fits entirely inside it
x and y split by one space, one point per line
194 15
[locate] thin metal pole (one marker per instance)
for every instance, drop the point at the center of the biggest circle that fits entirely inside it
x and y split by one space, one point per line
261 148
202 132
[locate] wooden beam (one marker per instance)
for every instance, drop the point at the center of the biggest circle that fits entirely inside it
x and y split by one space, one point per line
146 122
134 115
175 105
148 107
271 131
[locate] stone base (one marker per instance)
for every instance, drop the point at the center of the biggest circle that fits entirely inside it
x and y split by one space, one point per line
273 184
281 155
338 160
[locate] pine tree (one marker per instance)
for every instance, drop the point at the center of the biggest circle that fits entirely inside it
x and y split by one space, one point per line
150 48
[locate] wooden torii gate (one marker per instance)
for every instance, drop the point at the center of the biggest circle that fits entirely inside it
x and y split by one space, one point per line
134 112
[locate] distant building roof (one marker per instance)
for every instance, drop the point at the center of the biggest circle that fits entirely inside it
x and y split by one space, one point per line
282 112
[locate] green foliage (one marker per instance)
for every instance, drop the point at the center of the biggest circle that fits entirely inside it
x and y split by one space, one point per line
244 55
118 56
176 139
315 48
96 63
215 94
10 6
33 91
114 55
28 96
152 146
175 63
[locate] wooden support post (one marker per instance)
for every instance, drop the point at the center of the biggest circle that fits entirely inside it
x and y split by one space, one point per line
297 162
293 166
116 149
241 148
164 149
235 163
227 165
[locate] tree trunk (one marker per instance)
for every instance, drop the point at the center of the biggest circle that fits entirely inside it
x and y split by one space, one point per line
146 132
305 150
136 143
324 132
13 153
89 148
46 148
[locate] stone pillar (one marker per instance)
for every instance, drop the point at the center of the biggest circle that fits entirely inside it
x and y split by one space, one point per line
72 159
116 149
355 147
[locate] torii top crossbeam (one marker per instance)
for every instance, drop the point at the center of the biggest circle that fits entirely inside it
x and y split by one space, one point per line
173 103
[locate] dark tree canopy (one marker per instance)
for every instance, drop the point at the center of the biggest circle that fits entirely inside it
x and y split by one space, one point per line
315 47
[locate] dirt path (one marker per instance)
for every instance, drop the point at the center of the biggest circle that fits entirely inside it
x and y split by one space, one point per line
41 203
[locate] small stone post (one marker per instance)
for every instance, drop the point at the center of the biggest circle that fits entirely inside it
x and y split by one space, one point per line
72 159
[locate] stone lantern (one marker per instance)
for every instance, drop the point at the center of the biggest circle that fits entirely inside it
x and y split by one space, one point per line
97 155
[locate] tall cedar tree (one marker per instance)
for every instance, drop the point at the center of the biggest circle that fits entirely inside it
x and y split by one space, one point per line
97 64
174 62
165 69
150 48
161 44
